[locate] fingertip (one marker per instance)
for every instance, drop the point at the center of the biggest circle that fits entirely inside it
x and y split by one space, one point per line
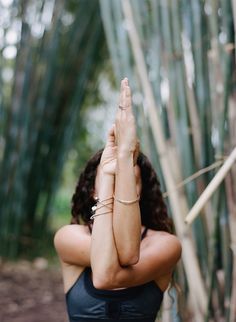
112 129
125 81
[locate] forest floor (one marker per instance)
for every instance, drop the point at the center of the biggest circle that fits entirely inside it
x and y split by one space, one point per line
31 292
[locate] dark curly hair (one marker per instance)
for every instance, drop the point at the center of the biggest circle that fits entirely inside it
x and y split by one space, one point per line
152 206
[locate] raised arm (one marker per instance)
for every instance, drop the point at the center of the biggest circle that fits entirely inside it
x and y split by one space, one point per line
126 218
104 259
113 248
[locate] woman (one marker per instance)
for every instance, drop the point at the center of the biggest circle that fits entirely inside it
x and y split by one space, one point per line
117 265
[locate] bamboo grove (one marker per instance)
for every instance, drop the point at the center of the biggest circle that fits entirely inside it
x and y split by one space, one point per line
56 45
180 58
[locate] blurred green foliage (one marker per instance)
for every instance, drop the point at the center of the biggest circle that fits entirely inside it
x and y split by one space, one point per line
46 71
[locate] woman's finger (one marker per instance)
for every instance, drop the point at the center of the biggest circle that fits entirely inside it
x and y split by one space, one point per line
124 100
128 100
121 98
122 103
111 136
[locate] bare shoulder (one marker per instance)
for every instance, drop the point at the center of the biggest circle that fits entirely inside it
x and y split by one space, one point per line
161 234
159 254
165 243
72 243
73 228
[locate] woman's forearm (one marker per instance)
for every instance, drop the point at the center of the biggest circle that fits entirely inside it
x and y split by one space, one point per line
104 259
126 217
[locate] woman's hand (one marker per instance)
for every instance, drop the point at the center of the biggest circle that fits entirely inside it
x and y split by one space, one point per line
126 138
122 136
109 155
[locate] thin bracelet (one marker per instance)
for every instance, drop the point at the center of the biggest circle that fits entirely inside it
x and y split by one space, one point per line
127 202
98 201
95 207
102 206
103 213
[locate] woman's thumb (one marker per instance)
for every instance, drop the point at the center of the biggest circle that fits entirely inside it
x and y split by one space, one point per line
111 134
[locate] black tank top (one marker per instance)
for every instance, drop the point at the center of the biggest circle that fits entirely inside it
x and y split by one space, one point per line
85 303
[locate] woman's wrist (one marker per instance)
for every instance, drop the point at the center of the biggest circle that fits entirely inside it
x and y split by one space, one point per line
125 162
124 155
105 174
106 185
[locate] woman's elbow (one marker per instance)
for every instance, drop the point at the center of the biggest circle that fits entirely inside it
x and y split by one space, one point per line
103 282
128 260
99 284
129 254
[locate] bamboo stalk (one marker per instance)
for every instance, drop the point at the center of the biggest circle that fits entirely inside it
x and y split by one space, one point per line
189 258
166 312
230 184
194 176
233 2
212 186
48 90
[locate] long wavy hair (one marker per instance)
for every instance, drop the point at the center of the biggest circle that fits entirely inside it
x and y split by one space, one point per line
152 206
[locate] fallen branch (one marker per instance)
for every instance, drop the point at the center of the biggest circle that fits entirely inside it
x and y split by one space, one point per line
210 189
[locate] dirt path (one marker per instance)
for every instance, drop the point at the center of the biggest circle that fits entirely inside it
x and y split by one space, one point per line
31 292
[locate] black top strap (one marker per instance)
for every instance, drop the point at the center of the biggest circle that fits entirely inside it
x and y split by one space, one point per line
144 233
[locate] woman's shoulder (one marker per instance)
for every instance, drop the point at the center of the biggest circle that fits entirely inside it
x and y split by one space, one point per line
72 243
163 239
71 229
158 233
74 227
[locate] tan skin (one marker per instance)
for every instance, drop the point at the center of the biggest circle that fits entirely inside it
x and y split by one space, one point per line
117 256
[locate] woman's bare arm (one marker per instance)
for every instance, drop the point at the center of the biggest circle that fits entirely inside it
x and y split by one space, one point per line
159 254
126 218
107 248
104 259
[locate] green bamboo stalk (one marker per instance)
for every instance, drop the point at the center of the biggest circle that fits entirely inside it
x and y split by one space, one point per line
234 17
202 101
65 134
231 200
183 123
166 166
199 38
213 185
46 101
9 170
229 183
106 7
